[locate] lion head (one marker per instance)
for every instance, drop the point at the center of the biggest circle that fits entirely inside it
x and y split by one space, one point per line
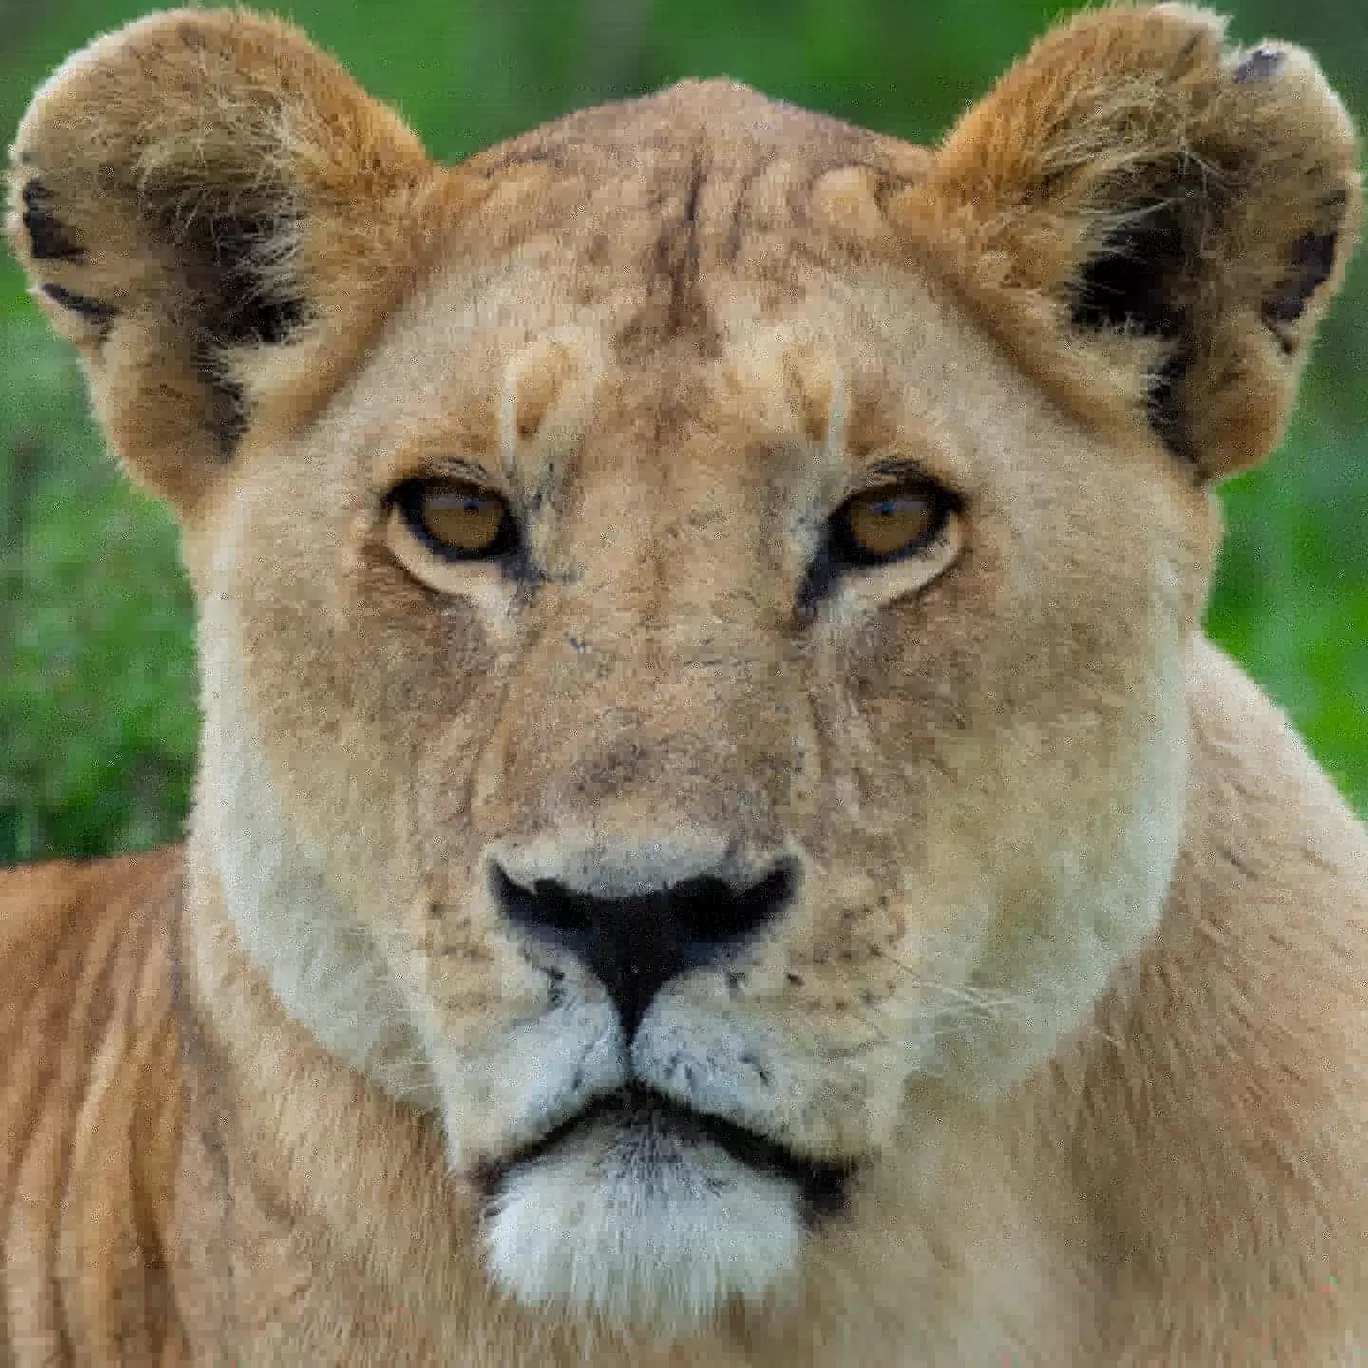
694 601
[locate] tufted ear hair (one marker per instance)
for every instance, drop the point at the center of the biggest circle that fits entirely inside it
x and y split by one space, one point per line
209 207
1151 223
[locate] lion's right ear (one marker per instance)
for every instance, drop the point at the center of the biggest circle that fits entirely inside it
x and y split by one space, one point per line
207 205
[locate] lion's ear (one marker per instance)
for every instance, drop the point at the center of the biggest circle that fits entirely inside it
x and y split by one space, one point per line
1134 197
206 205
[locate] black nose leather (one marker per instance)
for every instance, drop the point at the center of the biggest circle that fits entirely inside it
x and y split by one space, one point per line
636 945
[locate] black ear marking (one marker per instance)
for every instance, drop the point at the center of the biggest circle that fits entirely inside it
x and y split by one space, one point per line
48 239
1127 284
228 418
241 297
1135 283
1258 64
243 304
1142 278
247 310
1310 261
1164 410
101 315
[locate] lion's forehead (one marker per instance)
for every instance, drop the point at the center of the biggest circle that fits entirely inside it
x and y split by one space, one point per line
699 287
829 363
666 197
537 391
704 261
716 132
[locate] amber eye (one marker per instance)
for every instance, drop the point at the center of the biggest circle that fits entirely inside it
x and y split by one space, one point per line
456 519
884 524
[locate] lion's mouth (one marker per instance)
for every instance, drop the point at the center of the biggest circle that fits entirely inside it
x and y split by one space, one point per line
640 1112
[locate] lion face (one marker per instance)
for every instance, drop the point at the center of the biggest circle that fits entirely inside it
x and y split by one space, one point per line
682 823
693 651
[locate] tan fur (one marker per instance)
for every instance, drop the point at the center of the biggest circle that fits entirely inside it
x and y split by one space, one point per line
1072 973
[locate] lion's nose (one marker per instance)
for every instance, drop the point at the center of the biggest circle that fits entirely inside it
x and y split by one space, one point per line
635 945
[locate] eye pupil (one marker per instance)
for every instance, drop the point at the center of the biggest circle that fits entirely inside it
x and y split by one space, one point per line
458 521
886 524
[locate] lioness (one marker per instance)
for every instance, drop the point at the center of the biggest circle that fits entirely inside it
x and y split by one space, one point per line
719 838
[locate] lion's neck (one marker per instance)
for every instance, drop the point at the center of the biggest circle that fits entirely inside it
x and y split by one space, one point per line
313 1210
309 1199
299 1178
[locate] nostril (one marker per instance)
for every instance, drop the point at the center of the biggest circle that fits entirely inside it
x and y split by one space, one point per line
710 913
547 909
546 902
635 945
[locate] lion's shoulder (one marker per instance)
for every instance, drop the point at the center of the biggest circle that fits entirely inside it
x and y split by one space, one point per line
61 919
55 887
90 1100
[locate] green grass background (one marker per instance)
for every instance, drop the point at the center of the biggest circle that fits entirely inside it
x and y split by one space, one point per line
97 716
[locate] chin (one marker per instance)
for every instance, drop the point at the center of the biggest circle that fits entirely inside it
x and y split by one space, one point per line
642 1216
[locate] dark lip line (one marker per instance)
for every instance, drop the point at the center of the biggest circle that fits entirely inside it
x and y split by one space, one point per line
822 1184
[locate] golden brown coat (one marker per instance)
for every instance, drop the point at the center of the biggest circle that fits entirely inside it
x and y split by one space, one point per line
680 935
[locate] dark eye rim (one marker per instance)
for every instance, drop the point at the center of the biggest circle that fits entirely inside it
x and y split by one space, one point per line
406 498
843 549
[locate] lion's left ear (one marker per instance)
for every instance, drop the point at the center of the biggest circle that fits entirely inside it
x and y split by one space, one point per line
1146 218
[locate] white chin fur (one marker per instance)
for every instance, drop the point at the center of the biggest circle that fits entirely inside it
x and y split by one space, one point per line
637 1226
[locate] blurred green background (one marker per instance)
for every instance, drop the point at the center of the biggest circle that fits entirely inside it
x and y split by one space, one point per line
97 720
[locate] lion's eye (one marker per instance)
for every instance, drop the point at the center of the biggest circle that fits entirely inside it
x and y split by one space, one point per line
455 519
884 524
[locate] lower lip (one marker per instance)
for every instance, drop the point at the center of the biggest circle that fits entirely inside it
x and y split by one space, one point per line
822 1185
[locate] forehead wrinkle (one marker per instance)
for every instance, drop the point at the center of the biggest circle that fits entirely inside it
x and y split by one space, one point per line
783 403
547 397
852 397
661 480
616 467
894 427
